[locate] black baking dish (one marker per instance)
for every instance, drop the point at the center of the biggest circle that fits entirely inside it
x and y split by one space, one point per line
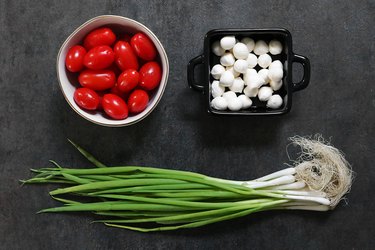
287 57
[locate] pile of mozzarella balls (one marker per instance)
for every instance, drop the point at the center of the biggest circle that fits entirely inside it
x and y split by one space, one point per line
237 80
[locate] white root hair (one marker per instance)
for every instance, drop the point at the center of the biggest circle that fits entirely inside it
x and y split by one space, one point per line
323 167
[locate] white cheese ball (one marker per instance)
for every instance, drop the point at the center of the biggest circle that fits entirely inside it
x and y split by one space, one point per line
238 85
253 80
226 79
219 103
251 72
246 101
229 95
276 64
249 43
276 85
265 93
264 74
252 60
231 69
227 42
264 60
217 49
275 47
240 66
227 59
234 104
217 70
240 51
217 89
250 91
275 102
261 47
276 74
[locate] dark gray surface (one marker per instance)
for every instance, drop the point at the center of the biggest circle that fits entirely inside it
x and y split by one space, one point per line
35 121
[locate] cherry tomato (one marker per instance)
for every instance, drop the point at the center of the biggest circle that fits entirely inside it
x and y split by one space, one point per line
150 75
99 57
115 90
138 101
86 98
128 80
97 79
74 58
101 36
143 47
125 56
114 106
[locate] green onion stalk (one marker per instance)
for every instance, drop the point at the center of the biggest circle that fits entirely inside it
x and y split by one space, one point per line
150 199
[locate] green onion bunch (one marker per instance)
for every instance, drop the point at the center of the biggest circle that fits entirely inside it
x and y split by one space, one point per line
153 199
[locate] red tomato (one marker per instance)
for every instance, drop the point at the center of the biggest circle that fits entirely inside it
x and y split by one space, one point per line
114 106
74 58
143 47
128 80
125 56
86 98
99 57
97 79
101 36
115 90
138 101
150 75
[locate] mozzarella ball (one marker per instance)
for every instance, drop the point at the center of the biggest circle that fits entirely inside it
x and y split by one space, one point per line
250 72
276 74
219 103
265 93
229 95
238 85
275 102
252 60
217 89
275 47
250 91
217 70
234 104
276 64
246 101
240 66
240 51
227 42
226 79
231 69
261 47
227 59
264 74
264 60
217 49
249 43
253 80
276 85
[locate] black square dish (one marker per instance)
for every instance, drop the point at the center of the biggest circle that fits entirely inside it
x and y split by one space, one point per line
287 57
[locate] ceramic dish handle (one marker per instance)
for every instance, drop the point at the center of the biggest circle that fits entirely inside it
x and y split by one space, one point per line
306 72
191 70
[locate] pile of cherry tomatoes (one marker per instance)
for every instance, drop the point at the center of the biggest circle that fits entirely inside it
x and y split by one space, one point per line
116 73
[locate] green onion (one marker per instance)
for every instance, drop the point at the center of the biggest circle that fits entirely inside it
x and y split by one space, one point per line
129 196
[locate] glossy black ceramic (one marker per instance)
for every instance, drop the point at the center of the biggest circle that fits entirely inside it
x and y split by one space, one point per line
287 57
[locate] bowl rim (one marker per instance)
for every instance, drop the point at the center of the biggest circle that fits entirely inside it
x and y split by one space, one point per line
164 54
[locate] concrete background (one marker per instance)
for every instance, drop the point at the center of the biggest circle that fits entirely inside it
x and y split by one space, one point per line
35 120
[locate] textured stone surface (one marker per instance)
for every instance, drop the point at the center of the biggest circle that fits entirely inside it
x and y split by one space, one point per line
35 121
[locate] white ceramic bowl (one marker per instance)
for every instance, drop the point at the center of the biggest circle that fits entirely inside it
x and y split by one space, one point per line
68 81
